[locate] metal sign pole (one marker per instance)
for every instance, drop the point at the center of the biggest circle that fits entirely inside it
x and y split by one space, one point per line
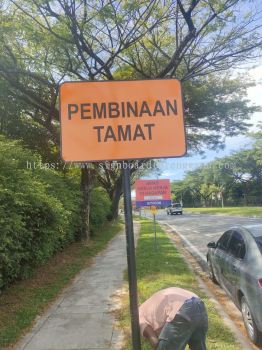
131 262
155 231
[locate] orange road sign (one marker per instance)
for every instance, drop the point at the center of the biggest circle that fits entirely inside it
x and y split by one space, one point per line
119 120
153 209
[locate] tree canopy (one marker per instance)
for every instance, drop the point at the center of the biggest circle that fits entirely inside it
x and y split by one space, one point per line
234 179
44 43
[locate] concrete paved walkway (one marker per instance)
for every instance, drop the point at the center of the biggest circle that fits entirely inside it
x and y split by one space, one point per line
81 319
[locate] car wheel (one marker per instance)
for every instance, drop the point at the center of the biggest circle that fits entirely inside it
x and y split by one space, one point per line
249 322
211 271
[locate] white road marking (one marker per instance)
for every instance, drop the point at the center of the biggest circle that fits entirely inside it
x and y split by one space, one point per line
213 234
192 247
255 225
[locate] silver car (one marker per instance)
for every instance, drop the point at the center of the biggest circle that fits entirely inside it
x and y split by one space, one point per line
175 208
235 262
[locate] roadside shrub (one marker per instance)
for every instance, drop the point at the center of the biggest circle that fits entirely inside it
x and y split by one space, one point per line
39 212
100 208
66 190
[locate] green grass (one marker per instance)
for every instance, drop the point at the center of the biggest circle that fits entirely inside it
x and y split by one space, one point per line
22 302
241 211
165 268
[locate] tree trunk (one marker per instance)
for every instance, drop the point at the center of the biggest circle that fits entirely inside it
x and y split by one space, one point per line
245 194
116 195
245 199
192 198
85 209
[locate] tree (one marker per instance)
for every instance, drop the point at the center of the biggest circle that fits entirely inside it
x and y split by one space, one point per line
233 178
245 171
179 192
215 107
206 191
46 42
257 137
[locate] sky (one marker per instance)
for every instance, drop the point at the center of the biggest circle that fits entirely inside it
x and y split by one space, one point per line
176 168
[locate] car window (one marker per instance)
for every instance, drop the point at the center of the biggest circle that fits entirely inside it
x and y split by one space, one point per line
176 205
259 243
237 246
222 243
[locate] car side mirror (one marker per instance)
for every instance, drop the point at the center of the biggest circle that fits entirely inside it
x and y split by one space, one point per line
211 245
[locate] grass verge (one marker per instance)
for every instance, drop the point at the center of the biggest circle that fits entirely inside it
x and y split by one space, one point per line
238 211
23 301
165 268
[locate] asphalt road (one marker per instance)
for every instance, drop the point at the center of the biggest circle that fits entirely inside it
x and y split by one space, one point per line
196 230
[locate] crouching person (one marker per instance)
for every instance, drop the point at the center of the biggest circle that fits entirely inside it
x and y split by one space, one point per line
172 318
